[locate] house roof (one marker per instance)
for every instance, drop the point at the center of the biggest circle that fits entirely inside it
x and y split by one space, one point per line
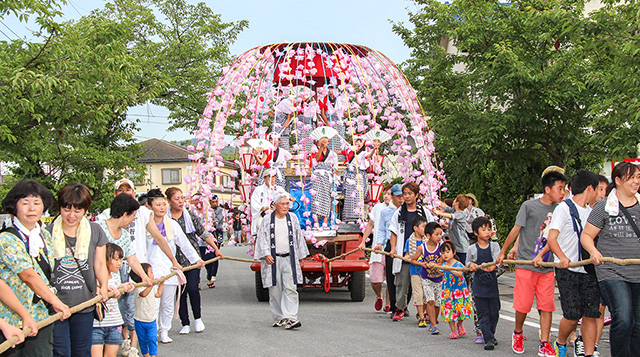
156 150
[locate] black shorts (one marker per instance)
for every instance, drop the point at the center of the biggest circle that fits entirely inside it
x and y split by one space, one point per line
579 294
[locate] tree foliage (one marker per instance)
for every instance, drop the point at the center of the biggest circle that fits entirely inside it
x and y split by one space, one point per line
63 100
519 95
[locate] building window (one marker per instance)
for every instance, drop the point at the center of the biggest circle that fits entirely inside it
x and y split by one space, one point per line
171 176
225 179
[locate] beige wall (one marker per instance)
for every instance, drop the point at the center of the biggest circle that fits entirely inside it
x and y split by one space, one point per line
156 170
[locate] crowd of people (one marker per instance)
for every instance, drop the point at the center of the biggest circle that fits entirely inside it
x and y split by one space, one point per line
45 270
586 217
48 269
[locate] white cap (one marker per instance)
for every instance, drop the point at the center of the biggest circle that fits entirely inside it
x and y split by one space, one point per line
122 182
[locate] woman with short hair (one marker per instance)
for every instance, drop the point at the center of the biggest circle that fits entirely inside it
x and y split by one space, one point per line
80 260
26 259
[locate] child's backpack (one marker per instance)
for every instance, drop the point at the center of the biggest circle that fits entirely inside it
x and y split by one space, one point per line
542 240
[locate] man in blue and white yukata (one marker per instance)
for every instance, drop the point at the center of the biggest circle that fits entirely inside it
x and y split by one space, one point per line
280 246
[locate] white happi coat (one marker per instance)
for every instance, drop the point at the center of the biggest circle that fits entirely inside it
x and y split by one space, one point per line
262 196
263 248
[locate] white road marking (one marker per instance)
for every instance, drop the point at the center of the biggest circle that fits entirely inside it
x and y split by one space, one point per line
532 324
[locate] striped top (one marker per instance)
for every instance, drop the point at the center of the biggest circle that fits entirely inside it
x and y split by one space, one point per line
112 316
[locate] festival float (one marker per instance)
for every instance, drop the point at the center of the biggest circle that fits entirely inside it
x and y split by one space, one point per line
353 96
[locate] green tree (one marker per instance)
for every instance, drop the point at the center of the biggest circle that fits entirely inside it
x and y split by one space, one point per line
63 100
514 99
612 40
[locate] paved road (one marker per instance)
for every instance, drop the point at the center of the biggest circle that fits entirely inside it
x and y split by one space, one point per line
332 325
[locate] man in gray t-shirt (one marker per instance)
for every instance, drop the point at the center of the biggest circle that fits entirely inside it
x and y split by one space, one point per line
530 228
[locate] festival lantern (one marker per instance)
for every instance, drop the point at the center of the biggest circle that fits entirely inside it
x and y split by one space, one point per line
374 192
245 191
247 161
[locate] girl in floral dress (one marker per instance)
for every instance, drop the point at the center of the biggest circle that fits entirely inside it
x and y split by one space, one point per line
456 304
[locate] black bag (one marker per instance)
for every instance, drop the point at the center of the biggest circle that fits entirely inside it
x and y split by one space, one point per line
100 308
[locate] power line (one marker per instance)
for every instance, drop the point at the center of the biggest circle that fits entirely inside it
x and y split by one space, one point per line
9 28
73 6
5 35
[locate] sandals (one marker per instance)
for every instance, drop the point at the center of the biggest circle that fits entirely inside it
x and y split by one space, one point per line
453 335
211 285
461 331
435 330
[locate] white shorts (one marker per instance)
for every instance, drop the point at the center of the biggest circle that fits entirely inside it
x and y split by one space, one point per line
432 291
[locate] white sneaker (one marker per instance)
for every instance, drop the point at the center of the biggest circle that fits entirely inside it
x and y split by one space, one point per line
199 325
164 337
133 352
185 330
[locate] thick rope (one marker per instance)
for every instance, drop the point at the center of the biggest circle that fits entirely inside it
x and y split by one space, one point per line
96 299
53 318
521 262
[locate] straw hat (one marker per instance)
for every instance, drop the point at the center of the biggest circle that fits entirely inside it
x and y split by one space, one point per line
473 197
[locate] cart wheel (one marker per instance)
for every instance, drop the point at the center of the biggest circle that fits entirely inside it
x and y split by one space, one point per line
356 286
262 294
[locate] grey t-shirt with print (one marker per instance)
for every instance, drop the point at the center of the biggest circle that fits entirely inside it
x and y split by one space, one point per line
618 240
68 279
533 216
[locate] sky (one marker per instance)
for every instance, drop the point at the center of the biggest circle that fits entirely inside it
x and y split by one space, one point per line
361 22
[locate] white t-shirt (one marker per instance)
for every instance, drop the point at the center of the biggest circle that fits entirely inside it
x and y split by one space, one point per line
567 237
145 306
282 236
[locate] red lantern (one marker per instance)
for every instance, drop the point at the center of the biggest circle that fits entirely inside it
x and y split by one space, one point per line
245 191
247 161
374 192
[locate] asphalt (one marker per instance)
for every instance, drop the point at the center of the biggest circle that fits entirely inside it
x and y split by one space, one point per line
332 325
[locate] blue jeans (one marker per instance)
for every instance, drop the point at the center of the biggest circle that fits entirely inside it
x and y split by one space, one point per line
623 300
72 337
147 337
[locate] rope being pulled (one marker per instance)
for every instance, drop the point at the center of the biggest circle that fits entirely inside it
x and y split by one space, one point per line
96 299
513 261
53 318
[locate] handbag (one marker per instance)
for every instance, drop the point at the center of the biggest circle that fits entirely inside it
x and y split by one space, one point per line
101 307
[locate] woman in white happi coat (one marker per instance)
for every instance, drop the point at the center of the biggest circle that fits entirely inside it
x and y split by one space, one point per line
261 199
280 246
355 181
324 163
162 263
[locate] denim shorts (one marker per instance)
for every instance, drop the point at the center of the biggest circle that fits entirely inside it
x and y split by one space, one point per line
111 335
